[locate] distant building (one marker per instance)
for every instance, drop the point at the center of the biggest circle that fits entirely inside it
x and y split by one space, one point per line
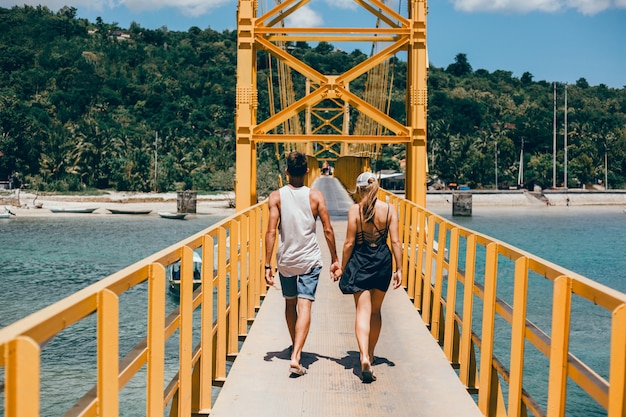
391 180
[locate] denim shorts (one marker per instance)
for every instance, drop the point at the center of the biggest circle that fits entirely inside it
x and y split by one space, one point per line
301 286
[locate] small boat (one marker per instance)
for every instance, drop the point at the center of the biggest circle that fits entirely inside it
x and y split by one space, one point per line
172 272
114 211
73 210
168 215
7 213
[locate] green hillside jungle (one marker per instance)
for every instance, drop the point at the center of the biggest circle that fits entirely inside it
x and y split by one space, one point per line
89 106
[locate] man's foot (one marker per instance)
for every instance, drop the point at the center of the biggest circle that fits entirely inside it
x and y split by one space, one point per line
297 370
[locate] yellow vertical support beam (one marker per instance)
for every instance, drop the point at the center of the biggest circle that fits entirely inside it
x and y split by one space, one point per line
233 290
415 178
617 374
256 259
156 339
450 345
263 218
246 104
559 346
441 251
220 349
22 377
489 384
465 370
413 248
428 273
186 332
518 332
108 354
205 385
244 274
419 266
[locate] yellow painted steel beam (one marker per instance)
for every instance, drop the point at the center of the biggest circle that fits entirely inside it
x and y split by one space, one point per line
385 8
518 331
292 62
156 339
285 13
561 314
416 167
331 138
260 30
108 354
246 105
371 111
372 61
617 391
266 17
22 359
331 38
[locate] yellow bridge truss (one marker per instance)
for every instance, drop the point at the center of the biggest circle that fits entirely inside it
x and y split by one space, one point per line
328 97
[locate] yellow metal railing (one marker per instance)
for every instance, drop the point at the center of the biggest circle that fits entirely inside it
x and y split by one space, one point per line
451 274
452 298
227 300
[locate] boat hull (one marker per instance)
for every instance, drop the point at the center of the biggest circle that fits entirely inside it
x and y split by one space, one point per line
114 211
73 210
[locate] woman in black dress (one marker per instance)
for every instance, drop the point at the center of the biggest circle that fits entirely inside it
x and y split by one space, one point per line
367 266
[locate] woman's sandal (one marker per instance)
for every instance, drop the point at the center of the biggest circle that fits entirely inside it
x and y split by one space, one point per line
368 375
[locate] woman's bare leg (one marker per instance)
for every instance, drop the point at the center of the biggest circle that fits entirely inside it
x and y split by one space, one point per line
376 322
362 325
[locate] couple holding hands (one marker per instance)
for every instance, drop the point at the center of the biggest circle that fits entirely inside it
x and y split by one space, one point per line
366 268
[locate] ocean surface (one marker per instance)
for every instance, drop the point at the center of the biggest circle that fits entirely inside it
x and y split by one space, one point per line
587 240
43 260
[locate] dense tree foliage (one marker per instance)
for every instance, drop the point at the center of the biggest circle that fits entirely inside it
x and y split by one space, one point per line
89 104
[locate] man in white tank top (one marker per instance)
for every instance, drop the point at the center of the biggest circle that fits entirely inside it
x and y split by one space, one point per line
294 210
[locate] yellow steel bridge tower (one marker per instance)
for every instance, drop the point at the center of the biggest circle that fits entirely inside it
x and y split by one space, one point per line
318 121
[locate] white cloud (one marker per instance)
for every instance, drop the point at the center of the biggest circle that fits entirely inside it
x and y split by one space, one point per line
192 8
586 7
344 4
304 17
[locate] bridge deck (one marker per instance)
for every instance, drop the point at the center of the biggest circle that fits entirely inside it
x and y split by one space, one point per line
413 376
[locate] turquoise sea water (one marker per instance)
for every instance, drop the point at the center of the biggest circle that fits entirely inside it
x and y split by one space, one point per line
43 260
590 241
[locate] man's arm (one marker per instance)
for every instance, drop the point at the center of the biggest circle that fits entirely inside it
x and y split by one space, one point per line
319 203
270 233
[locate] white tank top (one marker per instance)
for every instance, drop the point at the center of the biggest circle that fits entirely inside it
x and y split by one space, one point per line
298 250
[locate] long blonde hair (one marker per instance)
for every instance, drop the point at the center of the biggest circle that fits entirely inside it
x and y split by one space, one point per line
369 196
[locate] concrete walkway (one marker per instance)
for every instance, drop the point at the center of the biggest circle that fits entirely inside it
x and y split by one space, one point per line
413 376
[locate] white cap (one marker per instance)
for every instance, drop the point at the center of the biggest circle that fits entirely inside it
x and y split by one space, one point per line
363 180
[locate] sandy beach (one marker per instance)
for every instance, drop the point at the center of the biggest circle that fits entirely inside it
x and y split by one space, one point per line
29 204
25 203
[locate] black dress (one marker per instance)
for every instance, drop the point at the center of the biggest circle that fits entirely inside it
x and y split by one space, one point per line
369 266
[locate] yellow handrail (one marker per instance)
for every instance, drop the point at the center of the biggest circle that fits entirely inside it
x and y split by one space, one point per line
447 268
433 261
229 297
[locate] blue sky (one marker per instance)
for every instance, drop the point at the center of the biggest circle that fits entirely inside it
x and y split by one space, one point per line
554 40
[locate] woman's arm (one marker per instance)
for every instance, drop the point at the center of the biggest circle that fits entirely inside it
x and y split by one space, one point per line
348 244
396 246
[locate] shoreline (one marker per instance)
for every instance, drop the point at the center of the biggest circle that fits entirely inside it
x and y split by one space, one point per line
25 203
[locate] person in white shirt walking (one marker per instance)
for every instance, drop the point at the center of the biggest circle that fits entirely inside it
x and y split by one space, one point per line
294 210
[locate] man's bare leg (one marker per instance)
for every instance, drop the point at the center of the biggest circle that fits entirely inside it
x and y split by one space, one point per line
302 325
291 316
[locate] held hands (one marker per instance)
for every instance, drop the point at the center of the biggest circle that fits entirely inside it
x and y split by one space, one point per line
335 271
269 277
396 279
